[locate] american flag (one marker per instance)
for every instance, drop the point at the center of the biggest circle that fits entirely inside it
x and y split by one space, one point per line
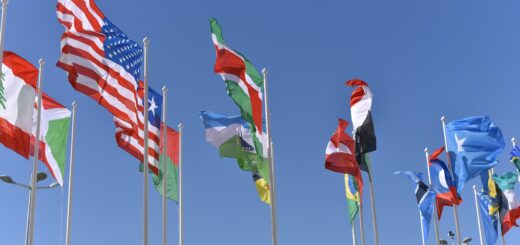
100 60
132 141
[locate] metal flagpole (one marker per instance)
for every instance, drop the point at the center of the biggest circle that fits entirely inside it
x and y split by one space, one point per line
2 30
35 157
372 200
361 226
146 42
271 161
71 172
436 218
164 167
422 228
181 201
455 210
354 232
478 215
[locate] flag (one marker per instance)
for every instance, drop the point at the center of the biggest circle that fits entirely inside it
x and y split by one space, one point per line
515 157
473 143
442 183
232 135
487 209
54 130
171 162
353 199
244 85
132 141
509 206
425 198
101 61
361 113
16 116
340 154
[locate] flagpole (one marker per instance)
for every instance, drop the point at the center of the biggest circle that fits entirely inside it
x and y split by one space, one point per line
353 224
71 172
372 200
164 167
2 30
455 210
274 227
361 226
478 215
436 218
35 156
181 201
422 228
146 42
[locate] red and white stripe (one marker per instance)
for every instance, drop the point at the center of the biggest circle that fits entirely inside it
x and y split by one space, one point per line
83 58
360 102
133 142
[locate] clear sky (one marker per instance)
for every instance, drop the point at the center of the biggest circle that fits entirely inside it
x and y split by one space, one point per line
421 59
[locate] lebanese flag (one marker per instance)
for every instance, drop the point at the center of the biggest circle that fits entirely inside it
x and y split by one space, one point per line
340 154
17 104
361 107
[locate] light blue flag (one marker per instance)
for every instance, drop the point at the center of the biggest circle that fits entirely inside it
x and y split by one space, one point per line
487 209
425 199
473 143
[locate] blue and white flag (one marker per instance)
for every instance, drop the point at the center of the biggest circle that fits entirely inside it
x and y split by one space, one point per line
473 143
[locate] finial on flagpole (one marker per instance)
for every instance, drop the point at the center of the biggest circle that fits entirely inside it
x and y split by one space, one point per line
264 72
513 140
74 104
474 187
4 3
164 89
41 61
180 126
443 118
146 41
426 150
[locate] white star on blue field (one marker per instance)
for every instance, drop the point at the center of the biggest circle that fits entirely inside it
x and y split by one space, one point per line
421 59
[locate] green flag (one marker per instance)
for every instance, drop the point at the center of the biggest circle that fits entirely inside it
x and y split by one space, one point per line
352 196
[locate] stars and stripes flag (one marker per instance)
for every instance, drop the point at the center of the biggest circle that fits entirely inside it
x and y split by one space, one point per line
100 60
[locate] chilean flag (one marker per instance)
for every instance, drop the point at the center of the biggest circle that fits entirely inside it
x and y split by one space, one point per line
442 183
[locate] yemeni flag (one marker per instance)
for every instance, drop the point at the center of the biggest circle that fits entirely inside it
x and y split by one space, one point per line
16 113
340 154
361 113
509 206
171 161
244 84
54 130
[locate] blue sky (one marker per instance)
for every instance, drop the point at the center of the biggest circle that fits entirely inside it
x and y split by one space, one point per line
422 60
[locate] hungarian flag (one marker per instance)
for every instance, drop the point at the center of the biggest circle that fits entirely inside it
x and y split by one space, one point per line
509 207
16 112
244 84
339 156
364 134
55 122
442 183
170 161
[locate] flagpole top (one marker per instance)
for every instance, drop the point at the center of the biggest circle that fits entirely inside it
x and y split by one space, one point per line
4 2
41 61
443 118
474 187
264 72
426 150
513 140
181 126
146 42
165 89
74 104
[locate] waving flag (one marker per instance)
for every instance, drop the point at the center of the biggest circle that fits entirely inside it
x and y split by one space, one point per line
508 202
442 183
361 112
232 135
132 141
244 84
425 198
171 162
55 122
473 143
488 209
515 157
100 60
16 117
353 199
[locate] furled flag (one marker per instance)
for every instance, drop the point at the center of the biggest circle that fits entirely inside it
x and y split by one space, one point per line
508 203
353 199
425 198
361 113
488 209
244 84
16 116
101 61
171 161
473 143
132 141
442 183
515 157
233 137
340 154
54 130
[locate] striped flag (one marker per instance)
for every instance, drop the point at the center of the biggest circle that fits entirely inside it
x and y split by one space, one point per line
133 141
101 61
244 84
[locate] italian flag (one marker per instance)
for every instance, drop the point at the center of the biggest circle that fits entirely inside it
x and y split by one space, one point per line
509 207
16 113
244 84
55 122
